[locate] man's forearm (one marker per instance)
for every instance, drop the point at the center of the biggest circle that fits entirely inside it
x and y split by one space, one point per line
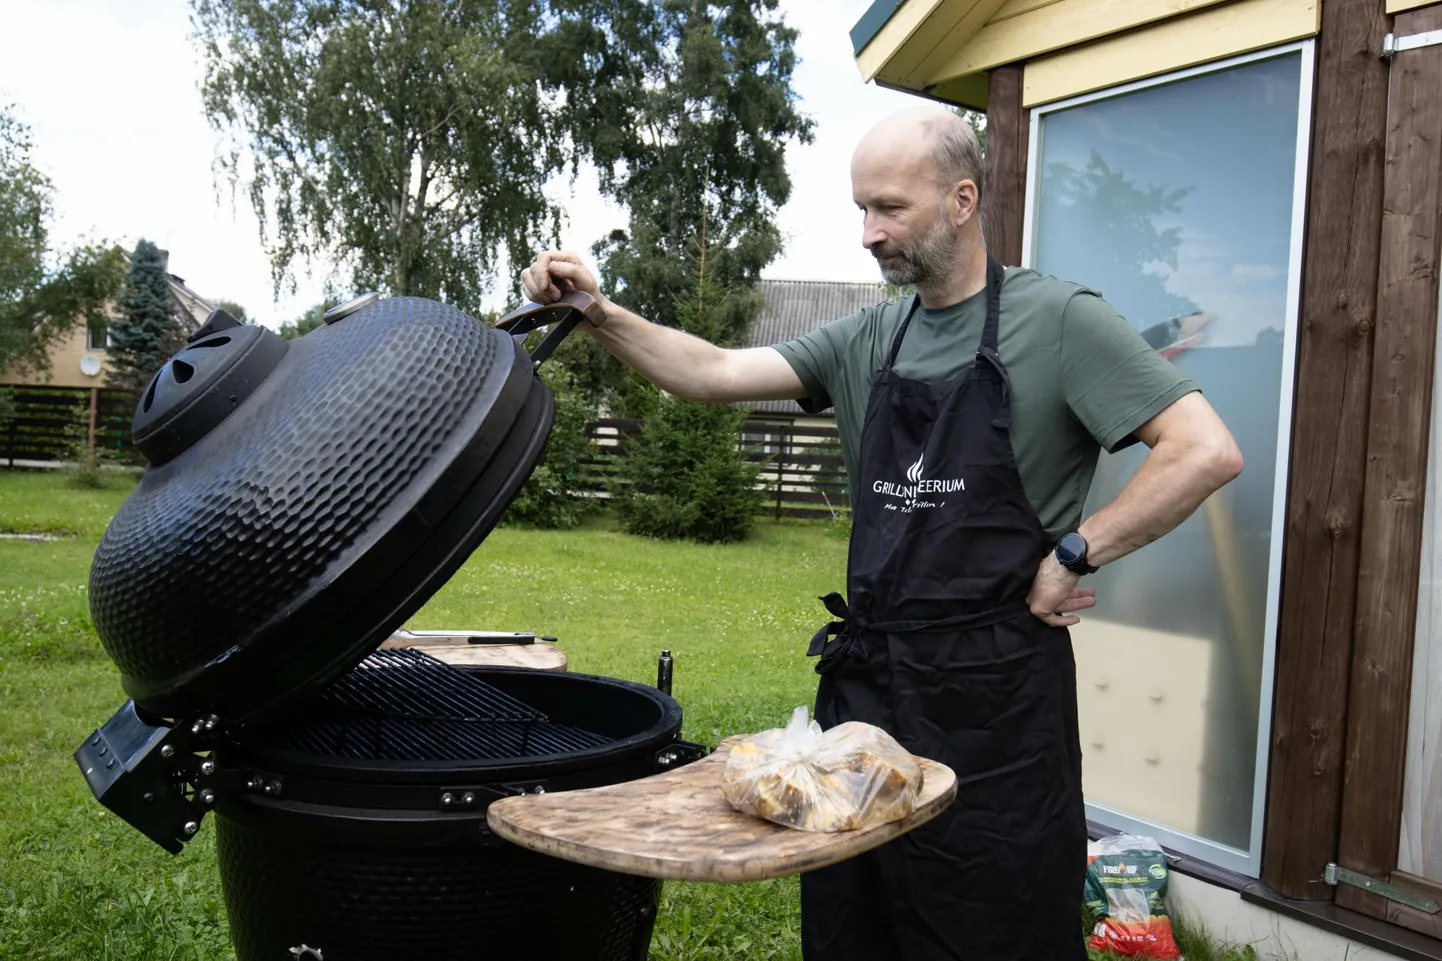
677 362
1173 481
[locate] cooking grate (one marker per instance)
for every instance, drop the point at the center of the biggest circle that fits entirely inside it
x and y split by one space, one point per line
404 705
408 681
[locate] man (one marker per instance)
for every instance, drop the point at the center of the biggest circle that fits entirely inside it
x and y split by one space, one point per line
971 416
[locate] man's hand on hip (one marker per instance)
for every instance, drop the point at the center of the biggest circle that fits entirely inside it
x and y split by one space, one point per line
1055 596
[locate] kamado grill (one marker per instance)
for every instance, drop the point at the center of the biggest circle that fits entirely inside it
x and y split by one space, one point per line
303 499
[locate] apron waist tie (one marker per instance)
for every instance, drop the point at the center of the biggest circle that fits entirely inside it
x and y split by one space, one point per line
848 629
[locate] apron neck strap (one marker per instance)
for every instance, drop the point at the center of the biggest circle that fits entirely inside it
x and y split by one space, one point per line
901 331
995 274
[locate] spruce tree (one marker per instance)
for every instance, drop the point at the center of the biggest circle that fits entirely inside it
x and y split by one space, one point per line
146 333
685 476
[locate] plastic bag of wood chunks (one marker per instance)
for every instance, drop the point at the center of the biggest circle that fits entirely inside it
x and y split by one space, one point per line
853 776
1126 891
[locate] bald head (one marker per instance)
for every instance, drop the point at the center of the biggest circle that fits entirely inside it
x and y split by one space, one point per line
916 177
925 141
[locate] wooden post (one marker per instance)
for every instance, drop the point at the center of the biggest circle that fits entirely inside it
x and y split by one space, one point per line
780 469
94 404
1003 202
1329 448
1401 409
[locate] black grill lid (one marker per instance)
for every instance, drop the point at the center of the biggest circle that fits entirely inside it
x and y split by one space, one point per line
304 498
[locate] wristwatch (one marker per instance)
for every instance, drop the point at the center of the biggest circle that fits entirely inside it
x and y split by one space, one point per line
1071 553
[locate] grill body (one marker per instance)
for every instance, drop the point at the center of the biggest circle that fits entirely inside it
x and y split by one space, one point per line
339 835
360 903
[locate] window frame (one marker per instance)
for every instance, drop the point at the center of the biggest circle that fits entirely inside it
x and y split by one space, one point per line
1245 862
90 338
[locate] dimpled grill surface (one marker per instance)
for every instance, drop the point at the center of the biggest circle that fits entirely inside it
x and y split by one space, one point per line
346 434
375 904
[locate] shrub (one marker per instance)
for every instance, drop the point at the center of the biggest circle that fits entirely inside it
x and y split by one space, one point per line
88 461
685 475
556 497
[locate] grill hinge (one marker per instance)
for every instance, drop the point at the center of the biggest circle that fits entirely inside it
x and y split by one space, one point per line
1392 44
1335 875
150 774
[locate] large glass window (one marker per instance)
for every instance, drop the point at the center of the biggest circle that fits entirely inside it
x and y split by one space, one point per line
1180 201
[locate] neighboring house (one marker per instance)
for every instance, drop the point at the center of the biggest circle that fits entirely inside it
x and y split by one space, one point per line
793 308
79 360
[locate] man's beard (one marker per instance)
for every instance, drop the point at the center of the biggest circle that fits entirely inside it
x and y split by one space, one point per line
928 259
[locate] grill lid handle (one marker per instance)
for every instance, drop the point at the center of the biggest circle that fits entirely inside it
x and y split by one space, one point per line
566 313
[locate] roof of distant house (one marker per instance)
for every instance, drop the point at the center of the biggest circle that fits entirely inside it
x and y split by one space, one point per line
795 307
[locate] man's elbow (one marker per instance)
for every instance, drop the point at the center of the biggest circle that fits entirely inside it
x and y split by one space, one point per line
1220 459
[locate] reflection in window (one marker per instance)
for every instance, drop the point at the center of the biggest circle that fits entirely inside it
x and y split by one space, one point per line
97 336
1175 202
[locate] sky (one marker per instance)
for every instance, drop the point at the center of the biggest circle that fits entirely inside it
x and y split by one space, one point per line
110 91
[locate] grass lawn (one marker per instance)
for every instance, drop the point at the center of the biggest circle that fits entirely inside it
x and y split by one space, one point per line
77 883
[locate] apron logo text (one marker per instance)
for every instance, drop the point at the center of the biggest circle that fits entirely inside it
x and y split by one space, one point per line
909 493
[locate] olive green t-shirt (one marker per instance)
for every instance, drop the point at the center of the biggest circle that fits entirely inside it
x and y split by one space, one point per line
1082 377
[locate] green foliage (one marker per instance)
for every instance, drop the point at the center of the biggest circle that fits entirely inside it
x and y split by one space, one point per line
977 122
146 333
306 322
234 310
411 143
685 475
44 292
556 496
90 460
704 141
692 126
407 141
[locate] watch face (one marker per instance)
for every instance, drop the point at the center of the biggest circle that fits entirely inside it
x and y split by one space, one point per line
1070 548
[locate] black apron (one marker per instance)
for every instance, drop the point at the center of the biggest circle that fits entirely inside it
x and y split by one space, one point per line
938 648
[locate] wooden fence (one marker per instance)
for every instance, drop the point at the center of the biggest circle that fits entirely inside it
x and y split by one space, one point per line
50 421
802 471
801 468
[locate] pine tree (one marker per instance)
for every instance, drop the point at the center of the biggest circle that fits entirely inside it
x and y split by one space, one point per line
685 476
146 333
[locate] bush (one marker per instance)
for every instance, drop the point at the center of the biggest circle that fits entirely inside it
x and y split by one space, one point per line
555 497
89 461
685 476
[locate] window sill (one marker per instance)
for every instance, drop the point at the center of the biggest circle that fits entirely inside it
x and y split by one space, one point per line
1349 924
